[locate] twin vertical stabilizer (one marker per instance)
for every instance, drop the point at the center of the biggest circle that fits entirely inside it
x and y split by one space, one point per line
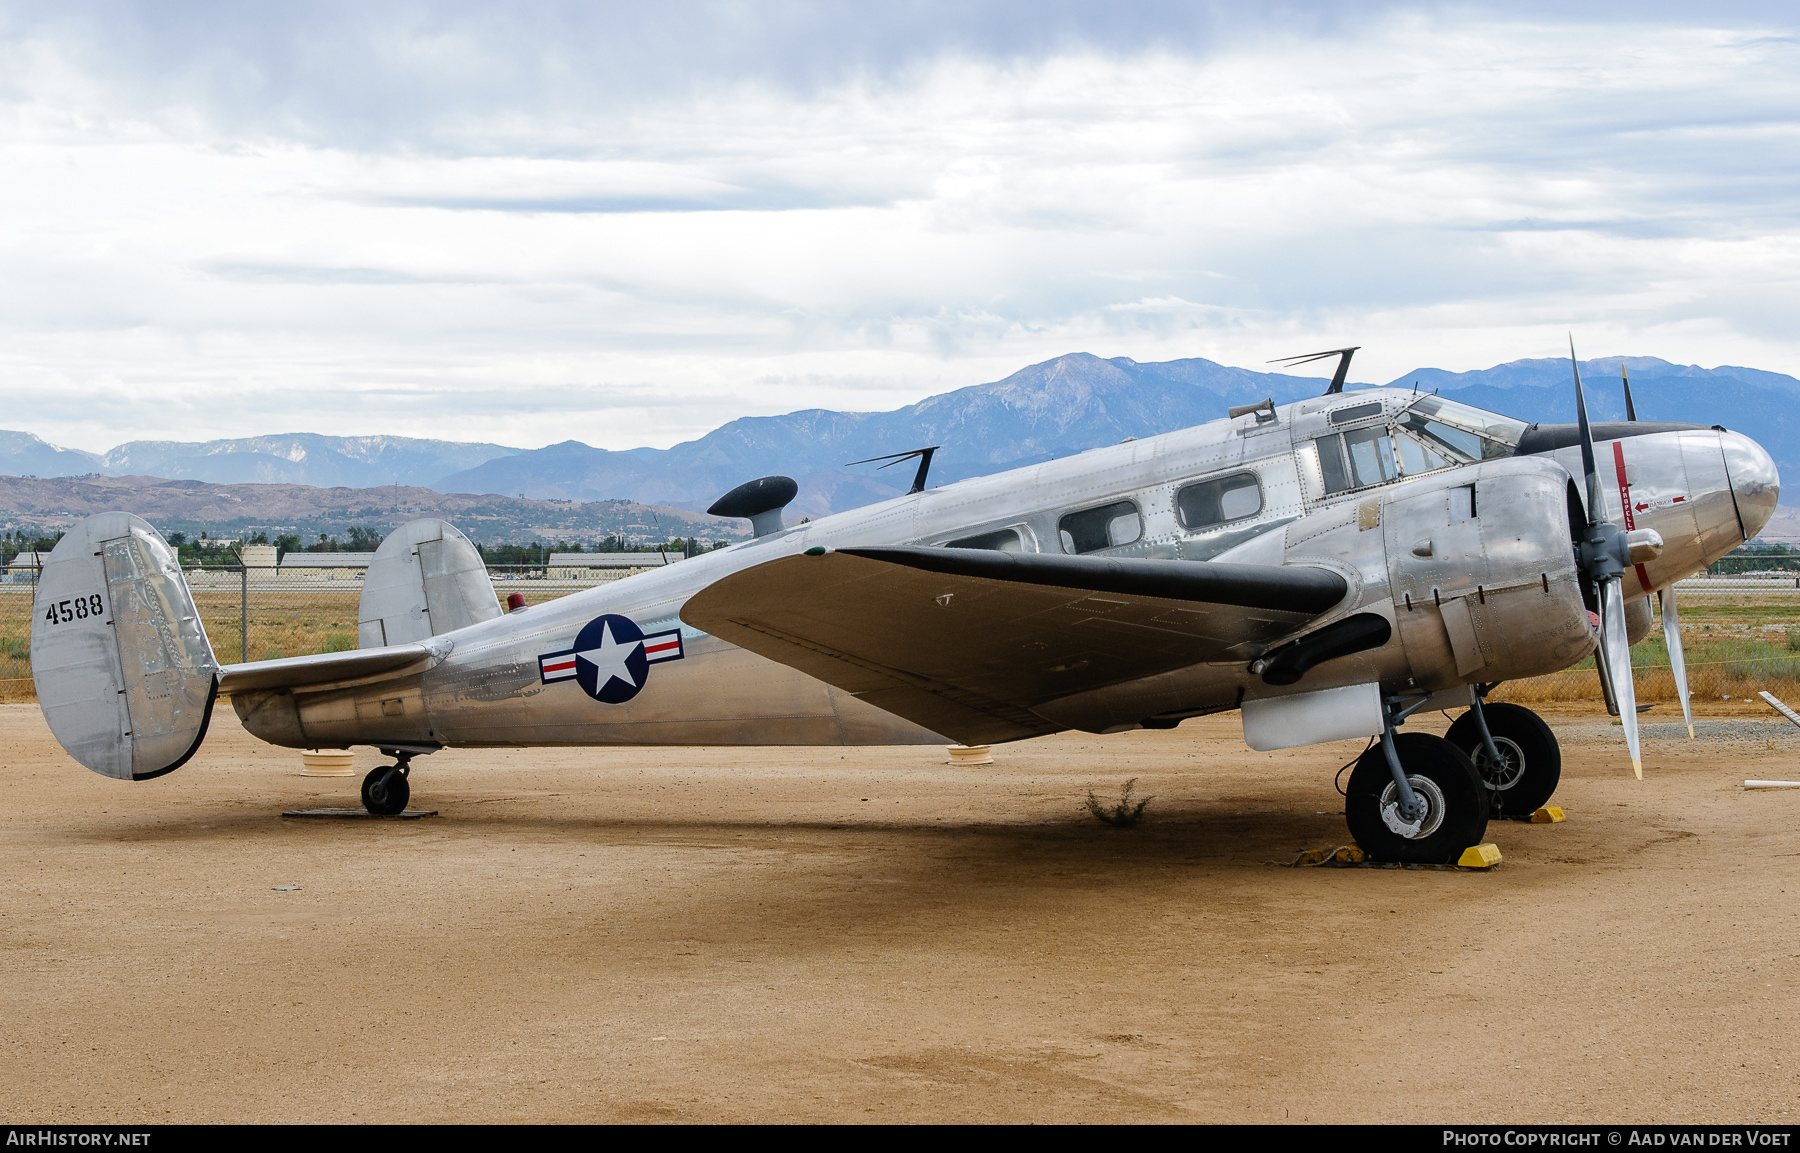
124 673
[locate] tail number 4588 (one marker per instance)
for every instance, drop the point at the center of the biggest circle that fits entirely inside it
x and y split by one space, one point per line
75 609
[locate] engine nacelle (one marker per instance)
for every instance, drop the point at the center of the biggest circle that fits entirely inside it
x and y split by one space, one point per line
1483 576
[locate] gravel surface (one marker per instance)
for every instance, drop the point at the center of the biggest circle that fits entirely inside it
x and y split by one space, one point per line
830 935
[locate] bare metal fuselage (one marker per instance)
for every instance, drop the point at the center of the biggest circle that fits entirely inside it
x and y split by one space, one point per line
1472 564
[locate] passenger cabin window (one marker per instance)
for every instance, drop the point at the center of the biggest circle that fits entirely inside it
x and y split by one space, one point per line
1005 540
1218 500
1108 526
1356 459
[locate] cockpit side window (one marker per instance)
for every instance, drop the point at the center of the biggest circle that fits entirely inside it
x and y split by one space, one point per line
1221 499
1107 526
1356 459
1488 434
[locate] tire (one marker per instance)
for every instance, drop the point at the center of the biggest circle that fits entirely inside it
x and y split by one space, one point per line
385 791
1456 814
1533 766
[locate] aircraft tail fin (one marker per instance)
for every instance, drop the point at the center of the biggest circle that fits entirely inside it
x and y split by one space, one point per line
426 579
125 675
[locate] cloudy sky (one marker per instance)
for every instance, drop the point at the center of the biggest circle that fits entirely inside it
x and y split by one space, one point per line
628 223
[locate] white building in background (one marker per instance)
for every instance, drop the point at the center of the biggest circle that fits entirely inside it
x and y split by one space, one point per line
604 566
24 568
324 565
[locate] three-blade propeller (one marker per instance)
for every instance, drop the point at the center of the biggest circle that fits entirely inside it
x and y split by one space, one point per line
1604 555
1605 558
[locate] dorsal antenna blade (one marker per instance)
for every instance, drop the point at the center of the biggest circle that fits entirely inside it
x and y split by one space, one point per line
1343 368
894 458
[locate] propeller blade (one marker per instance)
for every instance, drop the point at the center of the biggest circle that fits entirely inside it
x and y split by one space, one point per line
1618 664
1630 409
1603 667
1677 662
1587 441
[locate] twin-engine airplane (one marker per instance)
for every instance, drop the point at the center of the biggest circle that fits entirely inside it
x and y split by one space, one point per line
1326 568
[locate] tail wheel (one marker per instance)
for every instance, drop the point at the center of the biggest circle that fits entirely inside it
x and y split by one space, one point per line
385 791
1456 804
1531 760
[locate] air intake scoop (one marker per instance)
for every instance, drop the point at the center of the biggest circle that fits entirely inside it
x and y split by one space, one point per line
761 500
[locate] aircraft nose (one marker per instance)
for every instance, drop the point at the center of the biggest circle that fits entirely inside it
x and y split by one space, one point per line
1755 482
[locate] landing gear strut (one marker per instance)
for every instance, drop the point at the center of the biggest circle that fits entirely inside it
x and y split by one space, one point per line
1529 767
385 791
1415 798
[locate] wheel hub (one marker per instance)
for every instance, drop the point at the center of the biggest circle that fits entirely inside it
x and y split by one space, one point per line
1508 772
1428 792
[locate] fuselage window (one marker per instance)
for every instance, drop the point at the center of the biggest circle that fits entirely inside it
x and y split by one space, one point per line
1448 440
1356 459
1495 435
1418 456
1371 455
1108 526
1005 540
1219 500
1356 412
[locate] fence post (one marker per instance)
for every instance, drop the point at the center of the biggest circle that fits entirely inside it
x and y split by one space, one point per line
244 610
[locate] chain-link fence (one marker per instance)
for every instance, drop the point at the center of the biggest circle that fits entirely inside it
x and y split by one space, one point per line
260 614
1783 567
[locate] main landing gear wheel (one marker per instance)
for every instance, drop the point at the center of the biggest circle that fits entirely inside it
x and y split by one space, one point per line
1456 804
1531 760
385 791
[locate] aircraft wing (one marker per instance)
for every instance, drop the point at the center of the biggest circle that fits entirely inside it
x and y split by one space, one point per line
967 641
326 670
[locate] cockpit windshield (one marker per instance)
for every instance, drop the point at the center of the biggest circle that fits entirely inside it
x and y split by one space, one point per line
1436 433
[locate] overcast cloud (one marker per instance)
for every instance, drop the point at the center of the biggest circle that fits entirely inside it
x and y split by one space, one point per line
627 224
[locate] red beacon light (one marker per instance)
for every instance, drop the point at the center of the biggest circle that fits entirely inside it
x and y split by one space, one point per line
515 602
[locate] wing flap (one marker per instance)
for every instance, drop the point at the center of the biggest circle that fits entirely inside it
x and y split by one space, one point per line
967 642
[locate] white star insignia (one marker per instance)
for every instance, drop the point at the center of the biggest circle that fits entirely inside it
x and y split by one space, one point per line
609 659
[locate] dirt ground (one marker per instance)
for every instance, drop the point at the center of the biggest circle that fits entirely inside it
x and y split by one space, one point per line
872 935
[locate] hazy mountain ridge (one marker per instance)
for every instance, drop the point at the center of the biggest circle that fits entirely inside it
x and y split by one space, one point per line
1056 408
301 458
1051 409
193 507
1078 401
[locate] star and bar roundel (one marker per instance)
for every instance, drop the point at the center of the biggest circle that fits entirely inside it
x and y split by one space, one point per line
611 659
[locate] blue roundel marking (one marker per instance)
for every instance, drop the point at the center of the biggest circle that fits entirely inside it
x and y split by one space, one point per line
611 658
611 666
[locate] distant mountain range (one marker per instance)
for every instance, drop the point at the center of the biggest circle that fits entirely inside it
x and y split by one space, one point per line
1056 408
293 458
43 505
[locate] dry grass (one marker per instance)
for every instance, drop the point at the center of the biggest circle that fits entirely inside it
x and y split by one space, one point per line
283 623
1735 645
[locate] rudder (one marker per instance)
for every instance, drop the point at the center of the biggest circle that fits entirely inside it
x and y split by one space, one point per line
425 580
124 673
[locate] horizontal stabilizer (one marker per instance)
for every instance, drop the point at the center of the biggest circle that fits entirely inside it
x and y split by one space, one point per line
968 642
325 670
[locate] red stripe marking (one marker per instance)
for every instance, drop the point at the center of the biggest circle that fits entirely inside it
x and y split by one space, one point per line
560 665
665 645
1625 503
